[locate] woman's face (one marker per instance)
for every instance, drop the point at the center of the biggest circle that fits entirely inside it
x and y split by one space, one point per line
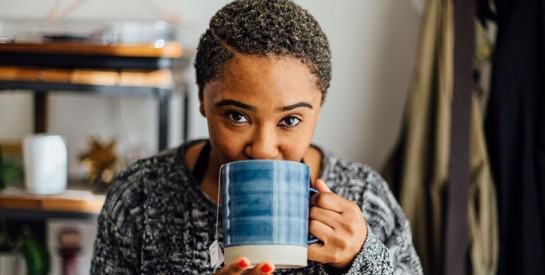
261 108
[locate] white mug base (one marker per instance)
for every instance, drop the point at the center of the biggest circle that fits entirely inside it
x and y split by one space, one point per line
283 256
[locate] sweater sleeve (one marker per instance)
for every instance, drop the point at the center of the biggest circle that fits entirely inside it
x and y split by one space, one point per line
113 252
388 248
117 244
376 258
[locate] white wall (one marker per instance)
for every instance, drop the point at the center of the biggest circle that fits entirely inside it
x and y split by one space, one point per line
373 44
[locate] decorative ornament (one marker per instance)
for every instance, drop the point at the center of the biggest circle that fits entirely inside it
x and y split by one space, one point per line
101 160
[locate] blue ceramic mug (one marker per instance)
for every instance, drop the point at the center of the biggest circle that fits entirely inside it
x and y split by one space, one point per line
265 205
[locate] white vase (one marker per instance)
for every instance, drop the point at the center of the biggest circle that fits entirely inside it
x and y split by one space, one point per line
45 162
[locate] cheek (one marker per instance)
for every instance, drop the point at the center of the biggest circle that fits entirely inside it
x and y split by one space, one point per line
296 154
230 146
296 145
307 135
228 150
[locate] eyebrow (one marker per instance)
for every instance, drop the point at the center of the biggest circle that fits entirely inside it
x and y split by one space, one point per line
230 102
294 106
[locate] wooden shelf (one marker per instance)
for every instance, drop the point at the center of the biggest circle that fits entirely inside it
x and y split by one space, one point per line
168 50
94 56
130 78
85 68
77 203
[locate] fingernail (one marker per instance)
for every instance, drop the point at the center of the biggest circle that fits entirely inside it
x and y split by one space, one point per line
266 268
244 263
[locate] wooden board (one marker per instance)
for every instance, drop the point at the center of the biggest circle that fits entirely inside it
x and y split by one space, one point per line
78 201
136 78
168 50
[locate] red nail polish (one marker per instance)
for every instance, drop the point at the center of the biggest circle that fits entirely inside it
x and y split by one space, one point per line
244 263
266 268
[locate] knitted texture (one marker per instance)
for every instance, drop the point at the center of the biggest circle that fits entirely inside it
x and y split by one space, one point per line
157 220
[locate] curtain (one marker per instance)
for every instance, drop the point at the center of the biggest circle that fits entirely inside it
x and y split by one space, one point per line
515 134
417 170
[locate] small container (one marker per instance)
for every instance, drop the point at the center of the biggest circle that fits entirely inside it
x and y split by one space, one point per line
46 164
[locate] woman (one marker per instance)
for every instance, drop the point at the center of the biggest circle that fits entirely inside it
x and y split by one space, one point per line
263 70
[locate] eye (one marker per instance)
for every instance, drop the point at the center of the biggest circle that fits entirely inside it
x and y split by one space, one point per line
237 117
290 121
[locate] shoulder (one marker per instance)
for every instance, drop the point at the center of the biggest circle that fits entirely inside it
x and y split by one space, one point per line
343 173
144 181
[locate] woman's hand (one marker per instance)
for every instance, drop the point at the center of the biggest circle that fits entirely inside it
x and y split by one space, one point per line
340 226
242 264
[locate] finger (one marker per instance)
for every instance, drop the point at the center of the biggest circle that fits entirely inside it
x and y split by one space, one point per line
321 186
326 216
317 251
337 249
320 230
237 266
329 201
262 268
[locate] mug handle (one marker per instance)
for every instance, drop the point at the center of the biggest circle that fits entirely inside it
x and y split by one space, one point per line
312 239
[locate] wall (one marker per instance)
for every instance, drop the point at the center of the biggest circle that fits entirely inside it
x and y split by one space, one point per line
373 44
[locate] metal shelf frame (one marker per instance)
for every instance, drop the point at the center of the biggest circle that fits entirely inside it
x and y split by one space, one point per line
41 89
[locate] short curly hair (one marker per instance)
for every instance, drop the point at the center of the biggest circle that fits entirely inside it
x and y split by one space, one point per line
263 27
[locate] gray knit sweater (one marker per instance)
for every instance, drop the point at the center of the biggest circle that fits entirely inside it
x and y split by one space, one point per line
156 220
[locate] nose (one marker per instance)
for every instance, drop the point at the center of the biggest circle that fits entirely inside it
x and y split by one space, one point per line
263 144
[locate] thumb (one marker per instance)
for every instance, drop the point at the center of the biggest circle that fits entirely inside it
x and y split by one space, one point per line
321 186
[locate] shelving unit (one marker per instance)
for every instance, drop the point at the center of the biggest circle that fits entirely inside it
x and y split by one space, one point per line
48 216
85 69
72 204
93 69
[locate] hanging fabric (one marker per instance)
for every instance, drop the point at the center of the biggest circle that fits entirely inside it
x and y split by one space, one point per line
418 169
515 133
456 236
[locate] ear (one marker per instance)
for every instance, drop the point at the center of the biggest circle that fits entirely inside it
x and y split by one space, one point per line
201 103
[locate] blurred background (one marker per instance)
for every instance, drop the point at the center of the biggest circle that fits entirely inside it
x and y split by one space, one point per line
444 98
373 45
374 48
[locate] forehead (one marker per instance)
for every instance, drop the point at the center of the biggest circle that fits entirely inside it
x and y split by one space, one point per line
266 76
266 66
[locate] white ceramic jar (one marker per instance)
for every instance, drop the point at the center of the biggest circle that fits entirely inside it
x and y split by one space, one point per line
46 163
